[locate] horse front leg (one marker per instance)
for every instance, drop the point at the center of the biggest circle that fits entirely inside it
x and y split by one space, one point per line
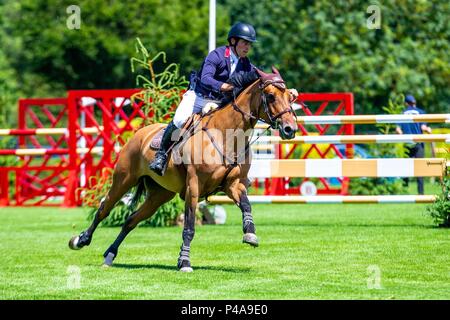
237 191
191 200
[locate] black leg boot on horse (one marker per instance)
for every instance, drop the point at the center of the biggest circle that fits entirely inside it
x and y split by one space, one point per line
159 164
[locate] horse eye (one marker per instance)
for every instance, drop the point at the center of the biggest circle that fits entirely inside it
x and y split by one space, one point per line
270 97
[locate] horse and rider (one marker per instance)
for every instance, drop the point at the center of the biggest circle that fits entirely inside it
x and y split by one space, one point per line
246 95
210 84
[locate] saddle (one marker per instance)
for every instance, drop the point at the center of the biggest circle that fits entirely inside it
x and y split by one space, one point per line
188 126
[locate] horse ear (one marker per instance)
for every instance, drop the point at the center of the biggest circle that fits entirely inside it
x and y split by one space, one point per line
274 70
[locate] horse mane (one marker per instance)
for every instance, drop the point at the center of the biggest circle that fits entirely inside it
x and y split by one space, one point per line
241 81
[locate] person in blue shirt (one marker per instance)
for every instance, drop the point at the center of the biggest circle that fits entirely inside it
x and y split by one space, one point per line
210 84
415 150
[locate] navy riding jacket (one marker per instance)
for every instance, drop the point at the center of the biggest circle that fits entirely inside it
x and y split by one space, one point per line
215 71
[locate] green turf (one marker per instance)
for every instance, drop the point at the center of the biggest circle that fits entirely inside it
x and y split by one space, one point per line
306 252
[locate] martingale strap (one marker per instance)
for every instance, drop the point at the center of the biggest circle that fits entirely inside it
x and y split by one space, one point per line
225 158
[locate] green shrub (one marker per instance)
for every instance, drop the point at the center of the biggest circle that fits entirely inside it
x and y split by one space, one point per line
377 186
162 91
166 215
440 209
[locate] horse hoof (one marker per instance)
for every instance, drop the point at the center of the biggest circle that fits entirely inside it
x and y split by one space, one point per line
109 260
73 243
186 269
251 239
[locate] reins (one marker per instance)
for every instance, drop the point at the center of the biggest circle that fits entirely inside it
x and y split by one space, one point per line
272 119
272 123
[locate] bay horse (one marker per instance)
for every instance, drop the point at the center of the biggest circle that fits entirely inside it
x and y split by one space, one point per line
266 99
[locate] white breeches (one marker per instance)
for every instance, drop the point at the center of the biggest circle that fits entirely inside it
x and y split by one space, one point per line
190 104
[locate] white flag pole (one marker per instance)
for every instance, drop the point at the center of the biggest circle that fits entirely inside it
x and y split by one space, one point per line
212 25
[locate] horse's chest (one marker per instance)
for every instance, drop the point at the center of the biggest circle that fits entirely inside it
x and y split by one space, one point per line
212 178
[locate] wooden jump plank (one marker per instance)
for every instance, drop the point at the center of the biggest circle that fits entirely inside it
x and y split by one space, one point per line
302 168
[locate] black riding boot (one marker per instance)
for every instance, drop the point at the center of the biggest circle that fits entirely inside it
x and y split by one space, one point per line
159 163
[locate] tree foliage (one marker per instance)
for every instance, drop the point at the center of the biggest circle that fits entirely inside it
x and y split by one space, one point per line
327 47
49 58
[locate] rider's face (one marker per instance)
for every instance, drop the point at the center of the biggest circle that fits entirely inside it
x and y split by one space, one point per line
243 48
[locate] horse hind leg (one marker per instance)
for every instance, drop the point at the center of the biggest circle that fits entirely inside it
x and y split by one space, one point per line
157 197
120 185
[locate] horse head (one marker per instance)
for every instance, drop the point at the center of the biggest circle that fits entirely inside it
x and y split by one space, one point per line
276 102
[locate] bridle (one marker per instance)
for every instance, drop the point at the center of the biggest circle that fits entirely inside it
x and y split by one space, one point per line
280 84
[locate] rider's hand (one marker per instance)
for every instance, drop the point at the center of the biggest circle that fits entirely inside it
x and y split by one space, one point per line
294 94
226 87
426 128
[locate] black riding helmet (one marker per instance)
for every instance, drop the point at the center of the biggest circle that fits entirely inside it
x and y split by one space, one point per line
243 31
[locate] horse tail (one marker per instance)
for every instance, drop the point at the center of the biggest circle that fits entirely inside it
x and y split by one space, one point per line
141 189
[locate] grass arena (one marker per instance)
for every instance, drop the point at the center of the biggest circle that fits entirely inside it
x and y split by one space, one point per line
308 251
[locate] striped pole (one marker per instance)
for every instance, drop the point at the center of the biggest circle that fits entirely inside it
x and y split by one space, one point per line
45 131
42 152
328 199
381 138
32 152
367 119
327 168
371 119
302 168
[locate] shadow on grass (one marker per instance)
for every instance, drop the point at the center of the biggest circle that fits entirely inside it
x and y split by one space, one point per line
174 268
352 225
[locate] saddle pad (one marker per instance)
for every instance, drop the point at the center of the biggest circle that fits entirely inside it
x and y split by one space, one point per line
156 141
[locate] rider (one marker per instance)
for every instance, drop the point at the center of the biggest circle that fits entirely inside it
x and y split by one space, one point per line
210 84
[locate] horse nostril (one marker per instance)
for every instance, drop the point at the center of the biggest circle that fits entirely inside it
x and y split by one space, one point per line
287 129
